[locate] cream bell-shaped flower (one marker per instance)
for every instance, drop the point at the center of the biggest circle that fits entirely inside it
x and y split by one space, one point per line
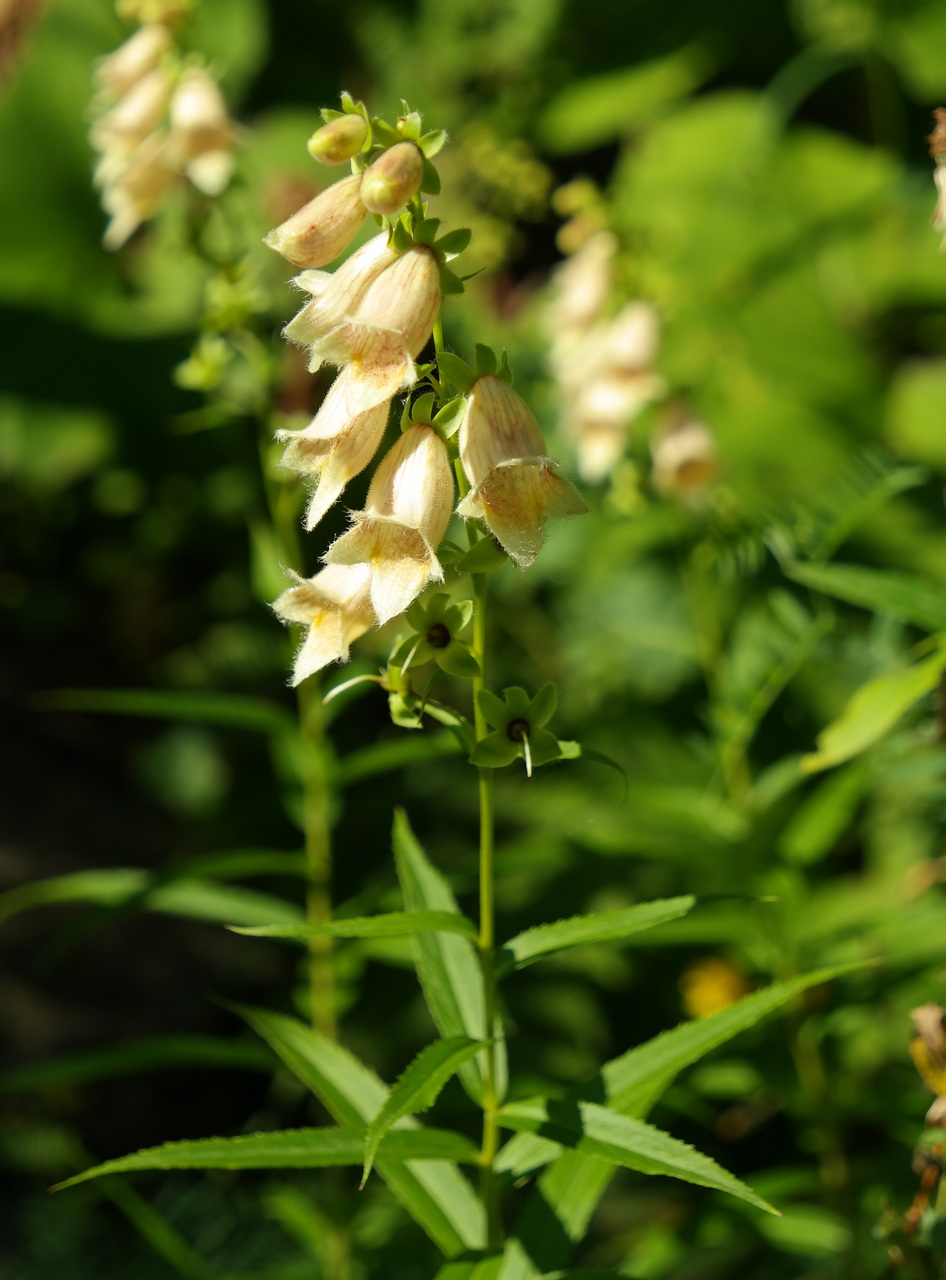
202 133
141 53
514 484
336 607
405 516
133 196
141 110
391 323
321 229
336 294
339 442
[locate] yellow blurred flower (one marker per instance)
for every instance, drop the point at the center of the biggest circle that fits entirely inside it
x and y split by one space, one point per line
709 985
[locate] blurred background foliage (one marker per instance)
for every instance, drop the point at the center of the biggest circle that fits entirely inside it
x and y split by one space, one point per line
763 167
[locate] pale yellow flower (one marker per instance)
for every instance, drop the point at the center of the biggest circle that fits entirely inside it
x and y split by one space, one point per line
336 606
405 517
514 484
202 133
321 229
336 294
118 71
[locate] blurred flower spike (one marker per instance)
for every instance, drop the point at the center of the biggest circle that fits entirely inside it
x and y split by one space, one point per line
516 721
937 143
514 484
439 625
155 121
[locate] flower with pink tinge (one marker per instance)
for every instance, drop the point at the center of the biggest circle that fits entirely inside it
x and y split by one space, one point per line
339 442
405 517
321 229
514 484
336 294
335 605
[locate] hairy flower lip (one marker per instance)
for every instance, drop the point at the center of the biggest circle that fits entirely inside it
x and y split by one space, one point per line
336 606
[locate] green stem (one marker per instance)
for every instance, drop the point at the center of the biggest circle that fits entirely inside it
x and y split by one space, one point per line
282 500
486 942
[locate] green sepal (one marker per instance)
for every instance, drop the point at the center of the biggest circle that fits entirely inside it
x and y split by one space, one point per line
409 124
456 370
504 371
448 553
329 114
457 660
543 747
543 705
430 179
406 419
486 556
425 231
494 751
450 282
449 418
349 105
401 238
422 408
385 133
493 709
486 362
432 142
454 242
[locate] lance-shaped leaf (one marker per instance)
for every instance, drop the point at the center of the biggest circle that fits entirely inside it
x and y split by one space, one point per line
392 924
898 594
448 966
569 1190
873 711
622 1140
286 1149
435 1193
604 926
417 1088
226 709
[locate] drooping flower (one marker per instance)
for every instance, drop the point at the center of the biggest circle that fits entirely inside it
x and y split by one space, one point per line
514 483
340 440
202 134
685 460
336 606
391 323
134 192
116 73
405 517
321 229
336 294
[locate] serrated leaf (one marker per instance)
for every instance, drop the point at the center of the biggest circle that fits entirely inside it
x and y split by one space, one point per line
447 966
546 939
873 711
392 924
171 704
286 1149
436 1194
900 595
630 1085
417 1088
624 1141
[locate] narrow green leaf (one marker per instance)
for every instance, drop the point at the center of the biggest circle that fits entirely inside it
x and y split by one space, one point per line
147 1053
226 709
873 711
382 757
596 1131
447 966
435 1193
287 1149
121 886
630 1084
393 924
417 1088
605 926
900 595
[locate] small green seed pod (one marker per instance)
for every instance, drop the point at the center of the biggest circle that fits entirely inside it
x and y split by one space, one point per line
393 178
338 140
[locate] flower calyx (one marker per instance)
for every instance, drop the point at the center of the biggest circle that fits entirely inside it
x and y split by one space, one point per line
439 629
517 723
411 229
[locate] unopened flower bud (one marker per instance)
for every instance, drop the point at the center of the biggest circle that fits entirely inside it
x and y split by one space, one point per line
321 229
338 140
515 485
393 178
139 54
405 517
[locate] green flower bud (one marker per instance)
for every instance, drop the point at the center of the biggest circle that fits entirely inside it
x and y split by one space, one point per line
393 178
338 140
